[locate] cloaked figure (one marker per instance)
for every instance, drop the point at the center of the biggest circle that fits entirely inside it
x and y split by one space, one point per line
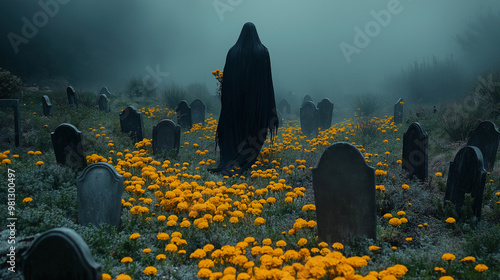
248 108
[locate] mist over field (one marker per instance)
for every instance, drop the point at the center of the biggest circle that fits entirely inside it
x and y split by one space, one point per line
321 48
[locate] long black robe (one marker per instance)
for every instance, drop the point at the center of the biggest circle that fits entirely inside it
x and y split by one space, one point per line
248 106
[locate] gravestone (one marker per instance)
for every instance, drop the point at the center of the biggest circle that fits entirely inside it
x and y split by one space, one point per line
104 90
325 111
99 192
46 106
486 137
184 115
131 123
398 111
14 103
68 147
466 176
415 152
60 254
197 111
284 107
166 137
344 193
309 118
103 103
72 97
307 98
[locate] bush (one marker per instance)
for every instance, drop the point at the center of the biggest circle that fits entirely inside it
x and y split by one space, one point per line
487 89
367 104
173 95
10 85
137 87
200 91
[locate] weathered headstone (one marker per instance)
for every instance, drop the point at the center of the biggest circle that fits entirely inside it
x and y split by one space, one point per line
325 111
14 103
344 193
184 115
132 124
46 105
415 152
99 192
307 98
166 137
284 107
60 254
309 118
104 90
398 111
103 103
466 175
197 111
486 137
68 147
72 97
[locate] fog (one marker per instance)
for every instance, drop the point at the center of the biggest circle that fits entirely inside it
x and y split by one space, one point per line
315 46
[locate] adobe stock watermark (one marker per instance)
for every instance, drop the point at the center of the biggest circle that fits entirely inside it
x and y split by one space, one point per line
363 37
223 6
30 28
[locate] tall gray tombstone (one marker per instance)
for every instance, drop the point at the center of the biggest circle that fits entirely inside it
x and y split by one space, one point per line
486 137
307 98
344 193
104 90
99 192
284 107
398 111
309 122
68 147
46 106
184 115
132 124
103 103
60 254
197 111
466 175
166 137
72 97
415 152
325 111
14 103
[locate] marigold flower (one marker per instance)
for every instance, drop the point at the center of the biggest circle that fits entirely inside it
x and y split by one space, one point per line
146 250
198 254
27 199
281 243
204 273
39 163
267 241
302 242
338 246
161 257
123 277
374 248
106 276
446 278
448 257
481 267
439 174
395 222
439 269
171 248
150 270
259 221
409 239
162 236
127 260
450 220
401 213
405 187
161 218
468 259
387 216
134 236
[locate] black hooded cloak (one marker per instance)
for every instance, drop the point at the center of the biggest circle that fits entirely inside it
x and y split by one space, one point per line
248 108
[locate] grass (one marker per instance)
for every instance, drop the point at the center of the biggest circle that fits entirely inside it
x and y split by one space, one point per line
178 196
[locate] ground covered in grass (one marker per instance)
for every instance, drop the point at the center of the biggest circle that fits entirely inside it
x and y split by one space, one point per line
181 222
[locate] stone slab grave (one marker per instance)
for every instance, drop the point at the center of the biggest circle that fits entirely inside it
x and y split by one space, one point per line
68 147
132 124
307 98
166 137
197 111
60 254
398 111
104 100
14 104
184 115
309 118
325 111
105 90
72 97
344 194
284 108
99 194
46 106
416 152
466 176
486 137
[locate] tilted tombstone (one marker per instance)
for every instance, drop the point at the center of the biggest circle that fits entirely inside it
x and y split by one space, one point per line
132 124
14 103
344 193
46 106
466 176
99 192
325 111
60 254
68 147
486 137
284 107
72 97
307 98
197 111
398 111
309 118
184 115
166 137
103 103
415 152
